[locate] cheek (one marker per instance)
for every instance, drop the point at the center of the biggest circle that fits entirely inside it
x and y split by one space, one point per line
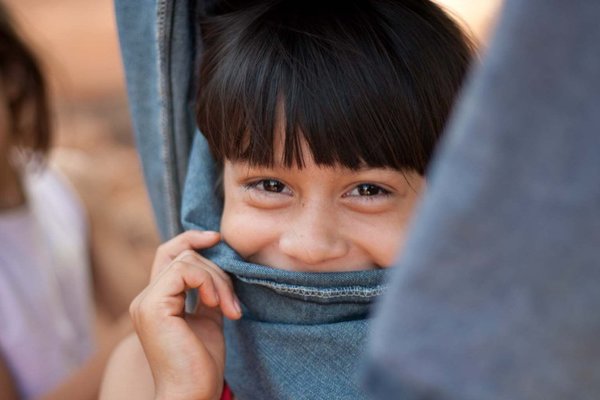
383 239
387 247
245 231
391 249
394 238
236 231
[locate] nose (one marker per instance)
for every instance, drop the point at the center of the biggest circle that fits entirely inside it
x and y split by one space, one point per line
313 238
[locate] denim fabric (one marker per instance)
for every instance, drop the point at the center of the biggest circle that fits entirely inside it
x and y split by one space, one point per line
157 41
301 333
295 362
497 294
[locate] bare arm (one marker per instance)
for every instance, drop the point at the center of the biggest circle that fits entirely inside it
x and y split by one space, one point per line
128 375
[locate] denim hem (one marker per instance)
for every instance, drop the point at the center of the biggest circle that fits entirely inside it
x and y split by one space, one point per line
317 292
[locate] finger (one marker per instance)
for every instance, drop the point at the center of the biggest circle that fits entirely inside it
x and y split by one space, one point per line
223 295
181 276
192 256
147 306
213 290
228 301
189 240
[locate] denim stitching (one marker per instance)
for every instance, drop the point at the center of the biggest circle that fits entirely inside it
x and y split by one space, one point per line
348 291
164 16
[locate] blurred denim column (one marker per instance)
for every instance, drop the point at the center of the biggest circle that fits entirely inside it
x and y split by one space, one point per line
498 291
158 45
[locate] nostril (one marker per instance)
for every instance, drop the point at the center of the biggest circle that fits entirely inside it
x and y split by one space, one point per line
312 249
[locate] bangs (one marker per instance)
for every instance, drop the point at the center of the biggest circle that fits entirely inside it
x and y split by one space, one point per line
333 79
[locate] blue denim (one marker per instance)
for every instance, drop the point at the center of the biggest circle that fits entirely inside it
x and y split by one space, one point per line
301 335
157 41
498 291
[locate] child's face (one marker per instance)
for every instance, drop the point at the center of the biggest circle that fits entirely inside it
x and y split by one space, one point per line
317 219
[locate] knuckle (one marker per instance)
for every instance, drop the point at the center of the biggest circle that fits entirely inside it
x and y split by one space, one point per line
167 305
204 274
178 267
187 254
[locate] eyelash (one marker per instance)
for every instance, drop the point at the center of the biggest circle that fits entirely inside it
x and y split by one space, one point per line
382 192
254 185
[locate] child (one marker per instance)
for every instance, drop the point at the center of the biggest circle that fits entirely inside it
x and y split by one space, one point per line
322 117
46 309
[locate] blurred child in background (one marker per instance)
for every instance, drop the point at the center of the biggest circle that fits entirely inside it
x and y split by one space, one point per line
47 344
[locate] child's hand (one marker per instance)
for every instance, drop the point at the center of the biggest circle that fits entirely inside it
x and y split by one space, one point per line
186 352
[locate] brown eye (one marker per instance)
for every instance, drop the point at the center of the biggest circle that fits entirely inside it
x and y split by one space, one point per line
272 185
367 189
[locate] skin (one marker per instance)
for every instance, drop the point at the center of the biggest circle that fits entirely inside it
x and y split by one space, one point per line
317 218
310 219
175 355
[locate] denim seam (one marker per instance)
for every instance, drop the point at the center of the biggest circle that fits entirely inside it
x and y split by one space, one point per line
164 38
349 291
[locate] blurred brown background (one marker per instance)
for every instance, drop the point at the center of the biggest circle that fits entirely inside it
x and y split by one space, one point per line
77 42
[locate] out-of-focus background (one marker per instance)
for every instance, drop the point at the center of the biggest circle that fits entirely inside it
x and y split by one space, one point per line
77 44
94 147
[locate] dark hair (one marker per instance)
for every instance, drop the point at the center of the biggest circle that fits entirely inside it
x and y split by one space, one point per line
24 90
363 82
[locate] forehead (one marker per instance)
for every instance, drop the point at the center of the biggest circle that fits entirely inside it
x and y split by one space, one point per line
305 153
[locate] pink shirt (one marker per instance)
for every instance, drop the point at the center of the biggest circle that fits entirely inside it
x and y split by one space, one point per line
45 292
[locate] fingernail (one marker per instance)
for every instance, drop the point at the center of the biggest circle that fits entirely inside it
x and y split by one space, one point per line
209 233
236 304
